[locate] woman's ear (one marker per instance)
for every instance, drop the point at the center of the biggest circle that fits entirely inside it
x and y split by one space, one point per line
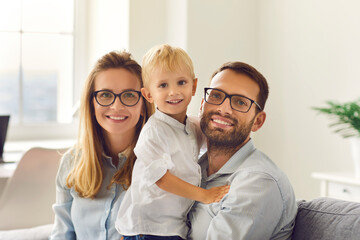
147 95
259 121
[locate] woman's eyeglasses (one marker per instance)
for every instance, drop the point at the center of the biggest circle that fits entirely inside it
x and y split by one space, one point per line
128 98
237 102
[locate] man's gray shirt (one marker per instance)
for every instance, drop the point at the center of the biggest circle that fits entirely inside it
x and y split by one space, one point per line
259 205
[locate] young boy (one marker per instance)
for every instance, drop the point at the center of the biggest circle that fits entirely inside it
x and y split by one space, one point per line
166 173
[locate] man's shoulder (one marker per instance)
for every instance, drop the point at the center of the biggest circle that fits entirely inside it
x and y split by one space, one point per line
259 163
259 167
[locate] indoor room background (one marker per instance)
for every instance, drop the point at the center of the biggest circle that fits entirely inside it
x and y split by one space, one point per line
308 51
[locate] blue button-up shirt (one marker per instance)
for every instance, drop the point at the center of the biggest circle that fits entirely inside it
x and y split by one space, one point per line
86 218
260 204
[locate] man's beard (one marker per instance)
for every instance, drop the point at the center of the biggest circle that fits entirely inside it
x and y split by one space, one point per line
225 139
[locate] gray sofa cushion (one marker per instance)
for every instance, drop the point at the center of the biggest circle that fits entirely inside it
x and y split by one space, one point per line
327 218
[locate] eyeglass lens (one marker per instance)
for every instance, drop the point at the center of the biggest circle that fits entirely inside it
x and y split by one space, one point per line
237 102
106 98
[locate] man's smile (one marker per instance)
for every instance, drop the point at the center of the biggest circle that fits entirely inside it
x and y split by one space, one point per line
221 122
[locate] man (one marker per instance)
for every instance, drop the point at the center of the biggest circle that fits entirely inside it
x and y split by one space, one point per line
261 202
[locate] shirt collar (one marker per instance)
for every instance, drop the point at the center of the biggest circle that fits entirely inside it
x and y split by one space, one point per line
232 164
173 122
122 158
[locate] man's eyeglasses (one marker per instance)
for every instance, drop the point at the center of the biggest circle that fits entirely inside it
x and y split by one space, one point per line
128 98
237 102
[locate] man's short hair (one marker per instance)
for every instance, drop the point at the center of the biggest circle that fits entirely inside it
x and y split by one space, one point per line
252 73
166 58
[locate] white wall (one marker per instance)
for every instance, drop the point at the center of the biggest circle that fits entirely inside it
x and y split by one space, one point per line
108 27
156 22
210 31
308 50
218 33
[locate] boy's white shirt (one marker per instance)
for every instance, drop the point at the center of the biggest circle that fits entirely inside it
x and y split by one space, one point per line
164 145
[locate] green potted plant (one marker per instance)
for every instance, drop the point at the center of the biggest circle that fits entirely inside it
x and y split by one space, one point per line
346 121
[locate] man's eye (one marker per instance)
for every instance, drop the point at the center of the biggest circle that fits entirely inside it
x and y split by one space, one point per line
241 102
215 96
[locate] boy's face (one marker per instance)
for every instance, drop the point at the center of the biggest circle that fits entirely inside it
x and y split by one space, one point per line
171 91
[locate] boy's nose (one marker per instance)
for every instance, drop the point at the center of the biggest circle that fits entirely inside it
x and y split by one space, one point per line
173 91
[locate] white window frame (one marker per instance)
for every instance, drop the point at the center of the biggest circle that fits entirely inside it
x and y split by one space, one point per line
80 66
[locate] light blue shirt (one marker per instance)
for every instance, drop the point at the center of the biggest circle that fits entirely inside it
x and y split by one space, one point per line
86 218
260 204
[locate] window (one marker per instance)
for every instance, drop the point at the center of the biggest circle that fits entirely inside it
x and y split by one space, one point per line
37 45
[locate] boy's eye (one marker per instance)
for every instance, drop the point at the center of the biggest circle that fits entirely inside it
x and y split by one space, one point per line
163 85
182 82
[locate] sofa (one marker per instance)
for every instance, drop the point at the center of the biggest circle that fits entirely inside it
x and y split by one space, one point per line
318 219
327 219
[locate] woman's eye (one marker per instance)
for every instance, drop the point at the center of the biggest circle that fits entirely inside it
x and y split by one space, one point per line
106 95
129 95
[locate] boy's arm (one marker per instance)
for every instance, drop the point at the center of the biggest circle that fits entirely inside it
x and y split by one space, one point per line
175 185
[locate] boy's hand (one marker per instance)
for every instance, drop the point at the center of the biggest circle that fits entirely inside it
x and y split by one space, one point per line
215 194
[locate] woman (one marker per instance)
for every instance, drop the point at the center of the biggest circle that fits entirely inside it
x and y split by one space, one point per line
94 175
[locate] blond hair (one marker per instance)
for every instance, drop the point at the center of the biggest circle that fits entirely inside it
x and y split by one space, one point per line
86 176
166 58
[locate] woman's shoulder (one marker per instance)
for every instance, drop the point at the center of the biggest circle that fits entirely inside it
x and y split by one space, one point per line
66 164
68 158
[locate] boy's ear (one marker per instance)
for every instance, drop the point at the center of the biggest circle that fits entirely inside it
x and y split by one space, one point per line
194 86
146 94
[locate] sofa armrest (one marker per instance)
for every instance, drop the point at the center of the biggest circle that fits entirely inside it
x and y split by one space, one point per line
35 233
327 218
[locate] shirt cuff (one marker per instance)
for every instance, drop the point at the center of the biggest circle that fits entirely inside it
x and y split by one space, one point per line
157 169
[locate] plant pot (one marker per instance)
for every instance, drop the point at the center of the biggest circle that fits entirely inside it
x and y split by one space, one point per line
355 153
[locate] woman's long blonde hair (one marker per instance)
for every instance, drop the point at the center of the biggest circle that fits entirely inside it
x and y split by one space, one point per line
86 175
